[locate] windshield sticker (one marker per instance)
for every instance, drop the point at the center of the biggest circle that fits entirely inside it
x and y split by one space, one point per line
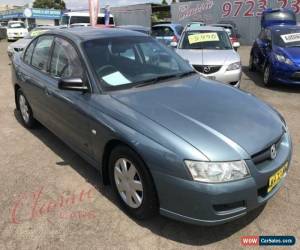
16 25
116 79
290 38
203 37
37 32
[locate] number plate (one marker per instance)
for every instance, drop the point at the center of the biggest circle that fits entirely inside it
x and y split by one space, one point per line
276 178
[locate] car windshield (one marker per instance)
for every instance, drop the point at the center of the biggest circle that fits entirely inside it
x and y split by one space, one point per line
126 62
212 40
16 25
287 38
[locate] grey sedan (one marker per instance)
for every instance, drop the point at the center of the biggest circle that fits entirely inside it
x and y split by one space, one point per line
165 139
208 49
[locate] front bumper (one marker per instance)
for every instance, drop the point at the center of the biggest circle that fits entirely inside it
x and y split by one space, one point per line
232 77
285 74
212 204
15 37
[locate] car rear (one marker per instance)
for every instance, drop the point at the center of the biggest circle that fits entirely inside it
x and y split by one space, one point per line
167 34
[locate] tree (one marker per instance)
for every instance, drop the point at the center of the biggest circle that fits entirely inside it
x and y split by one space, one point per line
164 2
49 4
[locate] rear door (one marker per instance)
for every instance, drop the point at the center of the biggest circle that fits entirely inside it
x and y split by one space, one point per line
35 77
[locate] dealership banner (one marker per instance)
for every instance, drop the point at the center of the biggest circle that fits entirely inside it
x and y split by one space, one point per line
94 10
245 13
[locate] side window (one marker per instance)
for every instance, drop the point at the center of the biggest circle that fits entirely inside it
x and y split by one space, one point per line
65 62
28 53
41 53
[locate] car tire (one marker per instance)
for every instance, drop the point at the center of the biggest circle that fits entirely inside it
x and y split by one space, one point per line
132 183
267 76
25 110
252 67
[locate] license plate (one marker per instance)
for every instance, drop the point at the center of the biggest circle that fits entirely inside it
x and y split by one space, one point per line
276 178
211 77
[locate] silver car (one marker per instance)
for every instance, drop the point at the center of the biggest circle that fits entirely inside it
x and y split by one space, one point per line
209 50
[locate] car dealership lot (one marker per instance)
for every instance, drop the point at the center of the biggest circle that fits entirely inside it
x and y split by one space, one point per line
51 199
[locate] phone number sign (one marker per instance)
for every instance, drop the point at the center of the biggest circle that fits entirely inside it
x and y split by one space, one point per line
251 8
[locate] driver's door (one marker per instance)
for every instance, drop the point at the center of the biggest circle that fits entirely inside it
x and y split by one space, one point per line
69 108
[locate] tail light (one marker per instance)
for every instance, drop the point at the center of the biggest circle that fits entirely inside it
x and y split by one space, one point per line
174 39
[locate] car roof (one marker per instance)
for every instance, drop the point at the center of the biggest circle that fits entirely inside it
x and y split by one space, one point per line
79 34
223 25
167 25
283 27
205 28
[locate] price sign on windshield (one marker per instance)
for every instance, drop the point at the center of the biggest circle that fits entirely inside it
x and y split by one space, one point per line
203 37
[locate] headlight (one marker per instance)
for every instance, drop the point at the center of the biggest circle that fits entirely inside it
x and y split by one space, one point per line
217 172
234 66
283 59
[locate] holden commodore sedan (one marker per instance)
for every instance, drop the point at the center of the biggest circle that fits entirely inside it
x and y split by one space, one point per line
165 139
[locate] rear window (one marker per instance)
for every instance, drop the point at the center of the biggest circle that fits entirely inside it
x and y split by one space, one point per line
280 16
162 31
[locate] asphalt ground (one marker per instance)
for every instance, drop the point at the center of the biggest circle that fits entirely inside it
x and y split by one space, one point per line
52 199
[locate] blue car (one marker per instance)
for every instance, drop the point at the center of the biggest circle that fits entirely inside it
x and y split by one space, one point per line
166 139
276 52
271 17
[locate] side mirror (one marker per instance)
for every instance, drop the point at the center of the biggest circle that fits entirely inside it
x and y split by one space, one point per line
236 45
73 84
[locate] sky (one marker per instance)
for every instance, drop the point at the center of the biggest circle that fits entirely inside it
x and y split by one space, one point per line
79 4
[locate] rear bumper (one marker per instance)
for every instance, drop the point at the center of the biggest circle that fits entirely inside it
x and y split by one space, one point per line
213 204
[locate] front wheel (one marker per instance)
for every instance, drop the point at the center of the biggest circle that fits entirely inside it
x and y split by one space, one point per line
267 75
132 183
25 110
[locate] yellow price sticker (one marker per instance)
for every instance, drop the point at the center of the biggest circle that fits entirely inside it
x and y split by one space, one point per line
37 32
203 37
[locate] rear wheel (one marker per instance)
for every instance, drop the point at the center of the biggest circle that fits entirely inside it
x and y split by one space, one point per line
132 183
267 75
25 110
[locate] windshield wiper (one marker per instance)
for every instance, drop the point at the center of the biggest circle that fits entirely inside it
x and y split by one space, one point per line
162 78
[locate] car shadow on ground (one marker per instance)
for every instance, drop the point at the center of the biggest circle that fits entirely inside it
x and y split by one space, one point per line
257 78
161 226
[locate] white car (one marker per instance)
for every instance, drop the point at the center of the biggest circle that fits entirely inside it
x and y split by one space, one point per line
16 30
209 50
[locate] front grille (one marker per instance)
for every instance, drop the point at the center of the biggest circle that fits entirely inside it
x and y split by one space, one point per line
265 154
207 69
